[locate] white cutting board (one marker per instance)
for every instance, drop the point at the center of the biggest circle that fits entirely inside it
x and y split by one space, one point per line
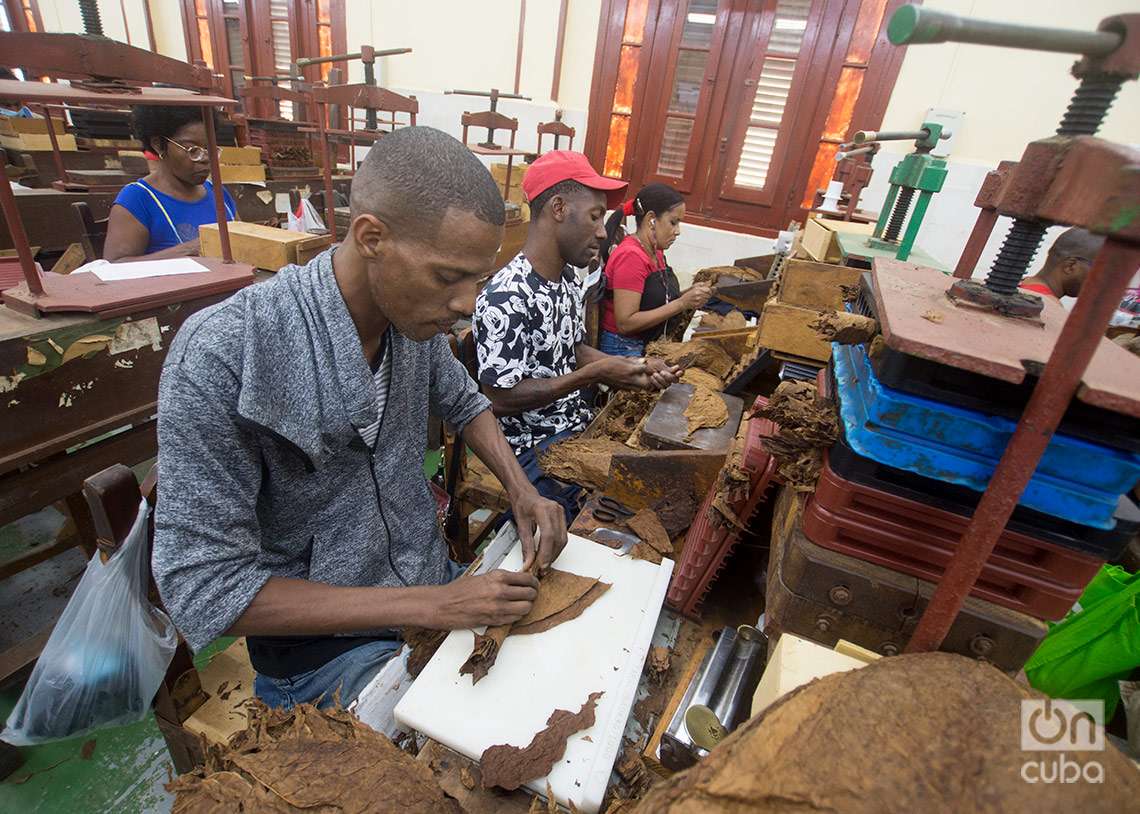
603 649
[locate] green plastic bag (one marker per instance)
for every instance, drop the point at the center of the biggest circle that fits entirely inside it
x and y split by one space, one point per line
1087 652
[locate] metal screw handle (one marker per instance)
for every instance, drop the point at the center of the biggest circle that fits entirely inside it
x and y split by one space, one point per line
1089 105
1015 255
898 214
92 22
911 25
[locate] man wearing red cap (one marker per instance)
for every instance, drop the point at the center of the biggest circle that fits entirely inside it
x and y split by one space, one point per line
529 320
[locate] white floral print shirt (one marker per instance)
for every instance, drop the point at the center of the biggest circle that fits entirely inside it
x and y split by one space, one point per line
526 327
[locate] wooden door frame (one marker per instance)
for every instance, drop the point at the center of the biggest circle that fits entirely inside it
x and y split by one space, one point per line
792 122
705 207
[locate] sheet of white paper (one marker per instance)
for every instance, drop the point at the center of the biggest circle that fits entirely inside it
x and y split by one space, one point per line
108 272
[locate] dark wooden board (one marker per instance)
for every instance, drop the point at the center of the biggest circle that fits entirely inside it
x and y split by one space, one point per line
989 344
667 427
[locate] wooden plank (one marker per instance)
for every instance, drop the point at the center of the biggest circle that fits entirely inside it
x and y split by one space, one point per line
650 754
29 490
815 285
20 655
785 328
102 385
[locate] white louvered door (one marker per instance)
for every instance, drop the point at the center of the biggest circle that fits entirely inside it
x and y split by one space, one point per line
754 154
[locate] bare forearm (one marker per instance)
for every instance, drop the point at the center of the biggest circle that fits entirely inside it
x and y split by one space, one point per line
585 355
531 393
639 321
188 249
484 436
298 607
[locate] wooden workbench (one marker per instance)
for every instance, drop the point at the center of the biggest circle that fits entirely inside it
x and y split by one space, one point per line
77 394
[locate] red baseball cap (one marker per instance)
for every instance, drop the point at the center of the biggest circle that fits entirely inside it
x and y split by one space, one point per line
566 165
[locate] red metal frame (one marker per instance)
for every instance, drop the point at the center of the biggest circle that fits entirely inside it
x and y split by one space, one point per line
711 201
79 56
1084 329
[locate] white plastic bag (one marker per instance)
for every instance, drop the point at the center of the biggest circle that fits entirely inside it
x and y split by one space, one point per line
106 656
305 219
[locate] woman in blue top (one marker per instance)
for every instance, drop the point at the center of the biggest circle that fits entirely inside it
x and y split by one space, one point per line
158 216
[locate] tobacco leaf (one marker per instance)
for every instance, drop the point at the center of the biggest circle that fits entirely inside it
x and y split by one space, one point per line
706 409
676 512
922 732
625 412
423 644
807 424
584 461
644 551
556 591
700 378
844 327
646 526
700 353
308 760
657 664
566 614
562 596
509 767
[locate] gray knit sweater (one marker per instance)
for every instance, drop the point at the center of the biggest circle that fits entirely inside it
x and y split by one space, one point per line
262 470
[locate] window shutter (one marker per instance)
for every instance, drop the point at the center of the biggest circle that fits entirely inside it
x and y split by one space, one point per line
773 87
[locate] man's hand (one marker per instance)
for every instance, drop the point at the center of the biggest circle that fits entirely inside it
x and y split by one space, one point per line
636 374
542 527
495 598
661 373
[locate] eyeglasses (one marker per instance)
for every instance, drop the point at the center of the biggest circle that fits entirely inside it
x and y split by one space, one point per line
195 153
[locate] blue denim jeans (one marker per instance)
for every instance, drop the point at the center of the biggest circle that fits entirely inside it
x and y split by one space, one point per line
350 672
617 345
564 494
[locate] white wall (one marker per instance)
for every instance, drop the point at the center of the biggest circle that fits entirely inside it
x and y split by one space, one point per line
63 16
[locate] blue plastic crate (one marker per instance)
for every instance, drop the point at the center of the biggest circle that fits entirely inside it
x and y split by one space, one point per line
1075 479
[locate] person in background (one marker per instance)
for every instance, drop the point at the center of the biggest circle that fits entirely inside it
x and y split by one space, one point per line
643 299
158 216
529 321
1067 265
8 108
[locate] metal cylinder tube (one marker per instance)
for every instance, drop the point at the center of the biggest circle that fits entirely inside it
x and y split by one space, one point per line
740 677
866 136
911 25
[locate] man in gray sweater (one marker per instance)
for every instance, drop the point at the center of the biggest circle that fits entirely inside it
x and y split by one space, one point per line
292 430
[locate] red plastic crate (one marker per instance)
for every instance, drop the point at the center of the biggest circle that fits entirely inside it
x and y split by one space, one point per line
1022 573
711 537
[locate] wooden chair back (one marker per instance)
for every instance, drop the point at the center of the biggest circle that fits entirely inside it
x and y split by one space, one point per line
93 233
113 497
490 119
558 129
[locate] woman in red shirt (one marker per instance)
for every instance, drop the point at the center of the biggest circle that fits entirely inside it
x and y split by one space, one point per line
642 293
